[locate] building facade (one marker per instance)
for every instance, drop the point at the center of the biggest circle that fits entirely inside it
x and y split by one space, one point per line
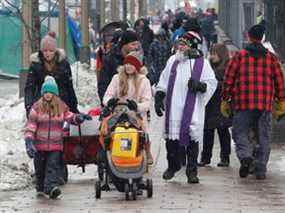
236 17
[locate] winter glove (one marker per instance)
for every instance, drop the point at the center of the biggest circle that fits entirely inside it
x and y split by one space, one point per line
159 103
278 110
225 109
196 86
30 148
105 113
81 117
112 102
132 105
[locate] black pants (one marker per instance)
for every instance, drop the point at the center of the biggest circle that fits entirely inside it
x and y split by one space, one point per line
173 155
47 165
208 143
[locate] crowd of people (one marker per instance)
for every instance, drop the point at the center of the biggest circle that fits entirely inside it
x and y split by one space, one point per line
196 95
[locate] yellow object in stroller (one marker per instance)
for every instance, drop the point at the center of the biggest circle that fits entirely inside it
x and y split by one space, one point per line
124 155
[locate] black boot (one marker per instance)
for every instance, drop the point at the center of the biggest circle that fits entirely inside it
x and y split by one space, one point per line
182 155
192 156
168 174
173 150
244 167
55 193
192 177
225 162
204 162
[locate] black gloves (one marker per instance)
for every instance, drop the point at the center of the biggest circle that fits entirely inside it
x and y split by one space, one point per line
80 118
132 105
105 113
159 103
197 86
112 102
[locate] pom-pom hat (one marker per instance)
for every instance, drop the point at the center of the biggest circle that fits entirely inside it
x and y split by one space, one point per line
134 58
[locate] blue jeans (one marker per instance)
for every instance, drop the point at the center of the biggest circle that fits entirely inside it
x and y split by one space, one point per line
245 121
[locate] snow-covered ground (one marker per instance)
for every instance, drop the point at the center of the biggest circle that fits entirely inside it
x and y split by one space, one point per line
15 167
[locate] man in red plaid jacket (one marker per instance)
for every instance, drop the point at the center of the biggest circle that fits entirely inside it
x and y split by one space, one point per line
253 82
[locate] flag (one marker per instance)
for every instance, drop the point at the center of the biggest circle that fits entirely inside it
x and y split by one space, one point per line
187 7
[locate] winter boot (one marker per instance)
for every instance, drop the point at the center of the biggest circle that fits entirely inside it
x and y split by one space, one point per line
168 174
182 156
192 177
54 193
192 156
204 162
172 148
244 168
225 162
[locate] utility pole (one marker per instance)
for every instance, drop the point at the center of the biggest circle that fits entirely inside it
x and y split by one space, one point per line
145 7
125 10
49 7
103 12
142 8
133 10
114 10
85 50
62 20
36 26
26 43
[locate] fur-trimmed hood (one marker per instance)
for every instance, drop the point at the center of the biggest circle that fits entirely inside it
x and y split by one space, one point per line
37 57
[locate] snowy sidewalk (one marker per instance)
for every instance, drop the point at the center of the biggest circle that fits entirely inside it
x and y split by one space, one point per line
220 190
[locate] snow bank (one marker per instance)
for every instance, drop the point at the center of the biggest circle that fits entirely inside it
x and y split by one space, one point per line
15 166
85 85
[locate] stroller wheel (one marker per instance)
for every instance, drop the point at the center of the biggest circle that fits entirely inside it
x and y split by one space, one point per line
127 191
134 191
100 172
149 188
98 189
65 173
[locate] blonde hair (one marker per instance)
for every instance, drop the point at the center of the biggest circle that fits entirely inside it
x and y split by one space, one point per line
123 80
55 107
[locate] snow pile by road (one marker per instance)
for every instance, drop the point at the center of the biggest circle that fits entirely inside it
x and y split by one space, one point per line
15 166
85 85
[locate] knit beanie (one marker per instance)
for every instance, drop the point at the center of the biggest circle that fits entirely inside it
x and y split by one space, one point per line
127 37
49 41
50 86
191 39
192 24
134 58
256 32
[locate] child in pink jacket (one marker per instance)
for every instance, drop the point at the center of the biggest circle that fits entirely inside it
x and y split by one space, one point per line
43 136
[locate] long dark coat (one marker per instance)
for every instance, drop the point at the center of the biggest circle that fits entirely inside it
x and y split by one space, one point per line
213 117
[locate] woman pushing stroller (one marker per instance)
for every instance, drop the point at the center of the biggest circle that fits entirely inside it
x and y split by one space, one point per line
131 86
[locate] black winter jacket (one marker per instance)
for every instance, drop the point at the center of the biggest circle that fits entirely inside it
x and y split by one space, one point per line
62 75
109 68
213 116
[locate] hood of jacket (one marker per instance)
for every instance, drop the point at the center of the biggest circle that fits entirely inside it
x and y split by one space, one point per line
38 56
256 50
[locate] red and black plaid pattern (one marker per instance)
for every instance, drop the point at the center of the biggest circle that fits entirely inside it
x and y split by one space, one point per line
252 83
